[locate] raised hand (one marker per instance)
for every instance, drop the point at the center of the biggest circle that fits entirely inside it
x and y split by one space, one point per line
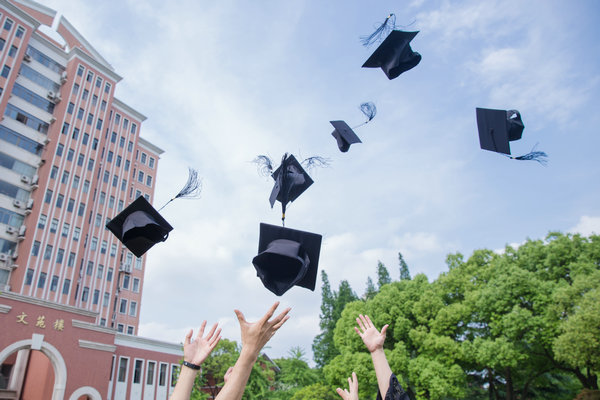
195 351
370 336
353 386
256 334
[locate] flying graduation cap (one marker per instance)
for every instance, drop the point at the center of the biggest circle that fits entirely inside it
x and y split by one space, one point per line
140 226
291 179
286 258
345 135
497 128
394 55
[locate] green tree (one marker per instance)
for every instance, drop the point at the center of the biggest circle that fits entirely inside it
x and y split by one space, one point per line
294 374
404 272
370 290
383 276
317 391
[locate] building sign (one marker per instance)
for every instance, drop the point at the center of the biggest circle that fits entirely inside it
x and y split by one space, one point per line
58 325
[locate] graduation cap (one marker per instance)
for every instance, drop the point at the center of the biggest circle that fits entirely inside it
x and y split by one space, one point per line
497 128
287 257
345 135
139 227
394 55
291 180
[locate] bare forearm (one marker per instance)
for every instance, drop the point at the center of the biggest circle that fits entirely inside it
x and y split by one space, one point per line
236 383
382 370
185 383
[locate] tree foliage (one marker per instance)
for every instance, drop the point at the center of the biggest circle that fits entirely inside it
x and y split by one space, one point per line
404 272
383 276
521 324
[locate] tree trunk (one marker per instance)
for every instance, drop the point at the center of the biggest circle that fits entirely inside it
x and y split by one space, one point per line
510 393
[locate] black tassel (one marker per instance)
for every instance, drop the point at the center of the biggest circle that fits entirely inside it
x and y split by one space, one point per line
264 164
380 32
190 190
315 161
534 155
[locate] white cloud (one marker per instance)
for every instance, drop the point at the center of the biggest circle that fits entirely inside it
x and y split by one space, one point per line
587 225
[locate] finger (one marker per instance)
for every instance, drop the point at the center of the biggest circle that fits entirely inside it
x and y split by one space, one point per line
280 323
280 316
269 313
384 329
361 324
240 316
188 337
216 336
354 382
214 343
212 331
370 324
357 331
341 392
201 330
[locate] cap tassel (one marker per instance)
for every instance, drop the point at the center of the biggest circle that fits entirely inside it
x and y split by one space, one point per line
190 190
315 161
382 30
534 155
264 164
369 110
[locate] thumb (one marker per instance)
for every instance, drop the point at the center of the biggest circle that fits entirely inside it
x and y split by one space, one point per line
384 329
240 316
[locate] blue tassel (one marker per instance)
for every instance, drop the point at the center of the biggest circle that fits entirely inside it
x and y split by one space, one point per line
369 109
382 31
534 155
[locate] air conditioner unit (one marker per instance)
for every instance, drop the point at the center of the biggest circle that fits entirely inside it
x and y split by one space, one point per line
22 230
25 179
35 179
51 95
27 58
57 99
63 77
29 205
52 120
46 141
18 204
41 162
11 230
3 257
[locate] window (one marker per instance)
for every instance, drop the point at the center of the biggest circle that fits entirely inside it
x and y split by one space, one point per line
81 209
138 263
137 194
122 142
29 276
70 108
133 128
130 146
76 233
54 172
123 306
80 70
91 164
76 180
8 24
120 206
85 293
65 177
100 271
125 123
94 144
75 89
20 31
137 371
70 155
106 176
48 252
111 202
149 180
65 128
143 159
103 105
5 71
54 225
70 205
98 221
42 221
85 94
103 247
115 181
126 279
124 182
90 76
151 162
59 256
103 323
59 200
80 113
113 250
90 118
94 244
99 124
12 51
173 375
75 133
150 375
113 137
90 268
127 163
2 43
98 82
86 137
141 176
120 328
65 229
102 198
162 374
41 280
109 275
66 286
106 299
94 100
136 285
122 375
96 296
59 149
54 283
71 260
86 186
107 88
130 330
132 308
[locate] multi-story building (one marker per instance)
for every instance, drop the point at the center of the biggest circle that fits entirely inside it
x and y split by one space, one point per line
71 157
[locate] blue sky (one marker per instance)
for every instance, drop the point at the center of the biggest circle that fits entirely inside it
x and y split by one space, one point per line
222 82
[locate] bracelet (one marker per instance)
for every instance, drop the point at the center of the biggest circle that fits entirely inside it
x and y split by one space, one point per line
190 365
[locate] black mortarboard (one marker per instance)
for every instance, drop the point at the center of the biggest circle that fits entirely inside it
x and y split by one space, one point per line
497 128
394 55
344 135
139 227
291 180
287 257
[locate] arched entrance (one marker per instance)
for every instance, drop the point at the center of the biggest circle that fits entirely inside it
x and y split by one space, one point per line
47 354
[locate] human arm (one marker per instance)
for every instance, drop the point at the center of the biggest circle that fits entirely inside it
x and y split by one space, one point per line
353 386
373 340
254 337
194 352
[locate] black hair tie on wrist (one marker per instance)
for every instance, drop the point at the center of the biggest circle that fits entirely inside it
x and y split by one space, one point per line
190 365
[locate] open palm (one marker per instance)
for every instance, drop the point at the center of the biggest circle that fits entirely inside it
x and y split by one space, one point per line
371 337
